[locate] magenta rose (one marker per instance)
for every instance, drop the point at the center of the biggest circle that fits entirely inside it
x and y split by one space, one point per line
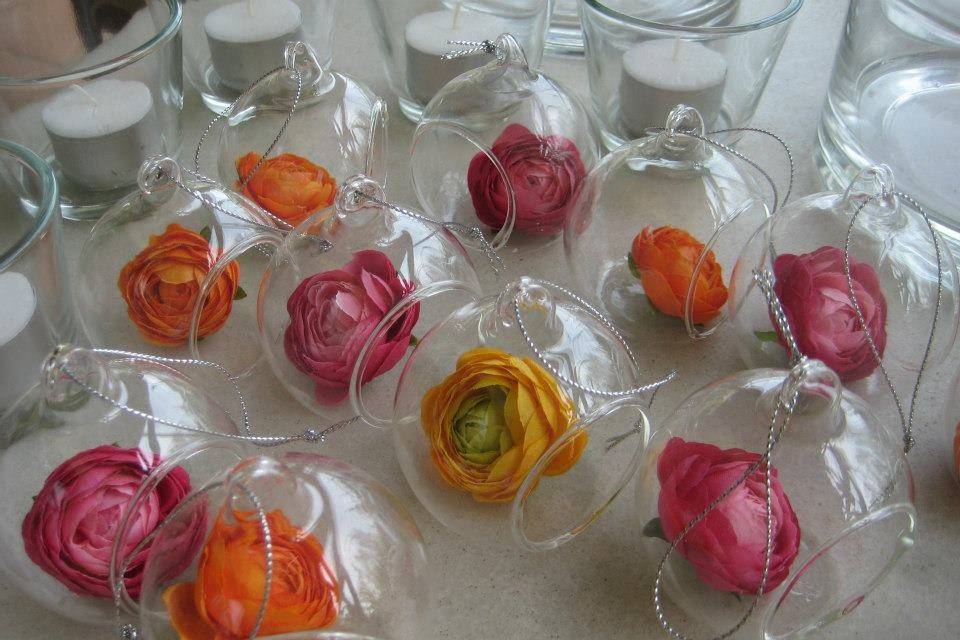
727 547
812 288
545 172
70 529
333 313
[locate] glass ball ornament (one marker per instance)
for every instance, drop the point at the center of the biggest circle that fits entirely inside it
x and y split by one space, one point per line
289 154
656 230
894 275
347 560
504 147
504 412
841 496
85 481
334 279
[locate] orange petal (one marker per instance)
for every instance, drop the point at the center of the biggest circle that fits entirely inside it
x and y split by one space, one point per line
183 613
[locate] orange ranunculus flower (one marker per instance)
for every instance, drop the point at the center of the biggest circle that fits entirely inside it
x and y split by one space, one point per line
224 601
490 420
161 283
664 258
288 186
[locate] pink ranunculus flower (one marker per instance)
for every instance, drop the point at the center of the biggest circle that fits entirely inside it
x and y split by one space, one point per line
70 529
727 547
546 173
812 288
332 314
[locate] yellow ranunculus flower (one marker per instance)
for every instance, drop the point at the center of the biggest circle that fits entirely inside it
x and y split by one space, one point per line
490 420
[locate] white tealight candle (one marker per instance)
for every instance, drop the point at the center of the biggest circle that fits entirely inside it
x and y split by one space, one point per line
426 37
24 342
102 131
247 38
660 74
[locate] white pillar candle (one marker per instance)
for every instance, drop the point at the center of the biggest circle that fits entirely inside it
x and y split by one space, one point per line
247 38
102 132
426 37
660 74
25 340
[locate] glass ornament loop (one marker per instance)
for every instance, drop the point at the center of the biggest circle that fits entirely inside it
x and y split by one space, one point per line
92 458
839 492
324 549
503 412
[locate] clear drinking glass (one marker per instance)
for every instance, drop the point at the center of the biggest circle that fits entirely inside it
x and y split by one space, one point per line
229 44
413 37
892 99
95 89
36 313
641 67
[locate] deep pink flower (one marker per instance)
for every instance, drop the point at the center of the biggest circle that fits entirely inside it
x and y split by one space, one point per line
333 313
70 529
546 173
727 547
812 288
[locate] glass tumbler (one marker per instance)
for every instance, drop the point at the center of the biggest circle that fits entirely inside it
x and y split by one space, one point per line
36 314
641 67
94 88
413 38
892 99
228 45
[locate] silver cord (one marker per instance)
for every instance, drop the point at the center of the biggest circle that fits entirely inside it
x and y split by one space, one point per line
473 47
765 282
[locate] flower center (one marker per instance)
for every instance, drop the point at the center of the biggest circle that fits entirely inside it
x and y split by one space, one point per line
480 430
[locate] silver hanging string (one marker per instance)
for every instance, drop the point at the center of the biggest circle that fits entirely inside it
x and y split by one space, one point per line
765 282
130 631
472 48
906 419
310 434
597 315
780 420
474 233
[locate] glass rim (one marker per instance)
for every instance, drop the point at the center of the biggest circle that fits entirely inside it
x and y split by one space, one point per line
49 199
787 12
138 53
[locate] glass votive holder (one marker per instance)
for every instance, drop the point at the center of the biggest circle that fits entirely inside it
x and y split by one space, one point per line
892 100
36 314
641 67
93 92
229 44
565 35
413 39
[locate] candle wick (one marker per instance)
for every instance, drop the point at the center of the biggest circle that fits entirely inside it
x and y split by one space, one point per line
85 94
676 49
456 15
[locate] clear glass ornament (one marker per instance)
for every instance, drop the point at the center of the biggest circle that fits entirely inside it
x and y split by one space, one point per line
289 151
347 561
85 481
333 280
173 267
504 147
893 263
504 411
657 227
841 499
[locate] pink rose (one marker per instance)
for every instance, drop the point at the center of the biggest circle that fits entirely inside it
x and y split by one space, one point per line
812 288
333 313
70 529
545 173
727 547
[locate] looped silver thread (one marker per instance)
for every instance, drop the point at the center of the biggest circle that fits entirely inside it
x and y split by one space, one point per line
310 434
906 420
472 48
474 232
131 632
597 315
765 282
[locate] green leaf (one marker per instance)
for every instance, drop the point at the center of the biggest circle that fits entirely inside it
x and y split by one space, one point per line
633 266
414 341
767 336
205 233
240 294
653 529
